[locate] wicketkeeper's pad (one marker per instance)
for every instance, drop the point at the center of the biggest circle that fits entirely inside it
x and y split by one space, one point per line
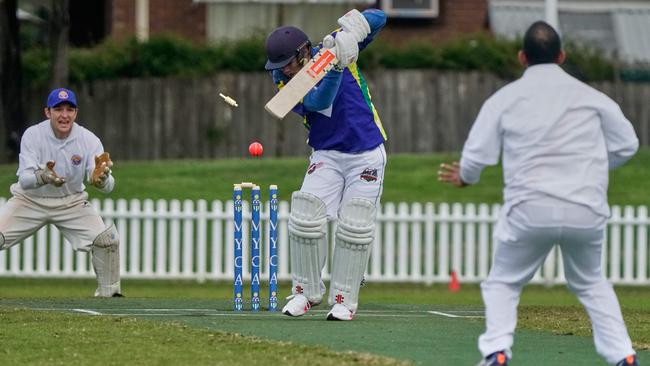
106 262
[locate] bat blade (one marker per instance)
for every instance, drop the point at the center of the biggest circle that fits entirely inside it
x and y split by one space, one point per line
299 85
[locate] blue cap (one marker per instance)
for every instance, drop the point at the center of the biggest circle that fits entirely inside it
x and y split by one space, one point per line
61 95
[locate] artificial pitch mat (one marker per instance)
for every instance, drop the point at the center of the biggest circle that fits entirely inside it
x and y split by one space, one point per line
423 334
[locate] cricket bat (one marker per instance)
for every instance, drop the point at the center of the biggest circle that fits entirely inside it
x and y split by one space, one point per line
299 85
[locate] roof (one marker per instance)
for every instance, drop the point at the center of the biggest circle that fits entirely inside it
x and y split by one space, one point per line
618 28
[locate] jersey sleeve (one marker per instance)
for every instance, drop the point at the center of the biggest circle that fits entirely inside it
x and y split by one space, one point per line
483 145
377 20
28 161
621 140
322 95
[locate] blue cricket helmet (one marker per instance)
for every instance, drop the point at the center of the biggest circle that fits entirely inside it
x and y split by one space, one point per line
282 45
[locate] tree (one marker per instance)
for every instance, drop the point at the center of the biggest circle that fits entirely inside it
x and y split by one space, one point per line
59 37
11 111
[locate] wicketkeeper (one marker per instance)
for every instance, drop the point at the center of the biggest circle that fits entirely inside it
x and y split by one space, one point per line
56 156
346 172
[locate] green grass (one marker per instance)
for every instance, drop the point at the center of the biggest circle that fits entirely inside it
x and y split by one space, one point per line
551 315
409 178
70 339
548 317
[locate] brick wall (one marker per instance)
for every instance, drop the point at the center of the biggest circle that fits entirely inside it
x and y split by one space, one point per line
455 17
122 18
182 17
186 18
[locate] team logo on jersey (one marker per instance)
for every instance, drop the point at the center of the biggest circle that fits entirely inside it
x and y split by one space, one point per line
369 175
314 166
76 159
63 94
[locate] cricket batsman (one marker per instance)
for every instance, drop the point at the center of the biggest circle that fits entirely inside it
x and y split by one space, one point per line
57 156
346 172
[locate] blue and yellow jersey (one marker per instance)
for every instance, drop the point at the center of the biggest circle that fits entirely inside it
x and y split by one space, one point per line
338 111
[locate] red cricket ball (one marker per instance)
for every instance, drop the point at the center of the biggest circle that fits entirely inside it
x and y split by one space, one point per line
255 149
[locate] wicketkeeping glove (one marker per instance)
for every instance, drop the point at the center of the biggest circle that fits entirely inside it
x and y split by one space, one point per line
347 48
46 175
356 24
102 171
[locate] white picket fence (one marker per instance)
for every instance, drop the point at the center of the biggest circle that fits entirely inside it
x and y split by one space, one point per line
415 242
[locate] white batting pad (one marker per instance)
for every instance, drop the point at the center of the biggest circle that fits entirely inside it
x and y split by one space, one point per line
354 234
307 227
106 262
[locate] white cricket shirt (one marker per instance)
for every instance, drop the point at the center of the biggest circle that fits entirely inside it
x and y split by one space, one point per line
558 137
74 159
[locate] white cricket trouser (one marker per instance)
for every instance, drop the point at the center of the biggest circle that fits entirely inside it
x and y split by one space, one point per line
523 240
73 215
335 177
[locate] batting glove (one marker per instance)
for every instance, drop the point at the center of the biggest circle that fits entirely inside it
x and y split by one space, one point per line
355 23
346 47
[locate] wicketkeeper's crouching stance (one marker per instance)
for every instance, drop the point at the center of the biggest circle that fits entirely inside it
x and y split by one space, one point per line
56 156
346 172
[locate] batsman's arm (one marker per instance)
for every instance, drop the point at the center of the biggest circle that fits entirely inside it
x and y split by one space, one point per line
377 20
322 95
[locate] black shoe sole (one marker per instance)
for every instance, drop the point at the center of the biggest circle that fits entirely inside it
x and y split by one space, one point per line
332 317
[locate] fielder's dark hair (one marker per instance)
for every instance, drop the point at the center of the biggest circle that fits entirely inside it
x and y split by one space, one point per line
541 44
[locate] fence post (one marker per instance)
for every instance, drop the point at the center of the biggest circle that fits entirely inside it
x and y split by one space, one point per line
161 237
188 238
134 238
642 245
201 254
416 241
148 236
443 246
615 244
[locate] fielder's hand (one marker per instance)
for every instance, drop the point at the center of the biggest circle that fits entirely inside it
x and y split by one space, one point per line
46 175
451 174
103 165
346 47
356 24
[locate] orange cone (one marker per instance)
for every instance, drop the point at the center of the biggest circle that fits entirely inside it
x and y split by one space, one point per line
454 284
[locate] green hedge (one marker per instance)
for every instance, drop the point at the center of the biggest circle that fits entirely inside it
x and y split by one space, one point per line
172 56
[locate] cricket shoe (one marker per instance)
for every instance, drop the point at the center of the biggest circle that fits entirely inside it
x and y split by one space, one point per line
298 305
496 359
340 312
628 361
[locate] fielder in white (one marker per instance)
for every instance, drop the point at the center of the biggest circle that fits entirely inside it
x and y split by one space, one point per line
345 176
56 157
558 138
